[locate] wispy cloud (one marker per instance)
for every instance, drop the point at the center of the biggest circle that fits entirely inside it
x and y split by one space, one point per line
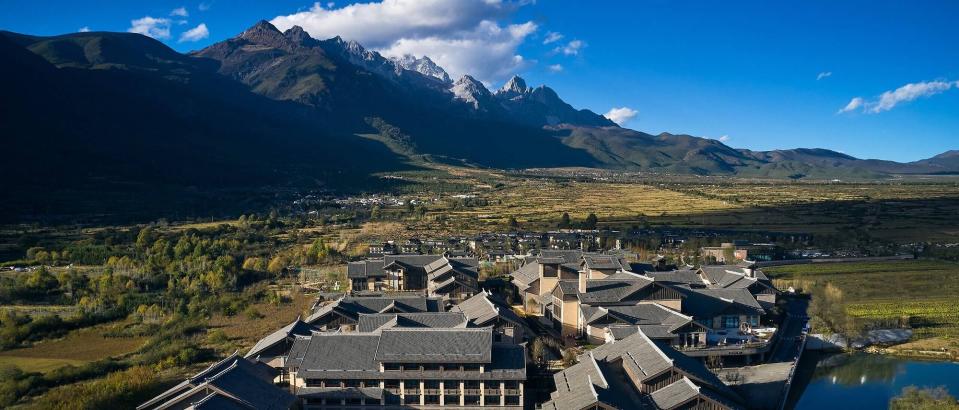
158 28
890 99
823 74
84 29
621 115
555 68
724 138
197 33
571 48
552 37
464 37
180 12
853 105
204 6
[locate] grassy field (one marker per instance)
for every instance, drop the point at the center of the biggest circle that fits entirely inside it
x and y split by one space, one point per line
922 293
899 211
80 346
244 331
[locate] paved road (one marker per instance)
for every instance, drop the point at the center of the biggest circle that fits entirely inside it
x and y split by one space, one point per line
788 347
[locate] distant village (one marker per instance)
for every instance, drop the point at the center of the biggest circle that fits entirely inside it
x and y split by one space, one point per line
578 322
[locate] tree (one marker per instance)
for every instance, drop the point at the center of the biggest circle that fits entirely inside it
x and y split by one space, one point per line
591 221
564 221
914 398
538 351
277 264
375 212
512 223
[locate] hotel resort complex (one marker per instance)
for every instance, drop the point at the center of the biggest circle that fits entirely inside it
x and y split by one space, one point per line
565 329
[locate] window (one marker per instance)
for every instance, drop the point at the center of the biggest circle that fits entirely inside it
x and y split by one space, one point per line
754 320
708 323
431 367
351 383
491 400
431 384
391 384
391 366
333 383
313 382
730 322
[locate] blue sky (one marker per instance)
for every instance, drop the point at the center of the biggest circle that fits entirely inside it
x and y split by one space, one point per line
760 75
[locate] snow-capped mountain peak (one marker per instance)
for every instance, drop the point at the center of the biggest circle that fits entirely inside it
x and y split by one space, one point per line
423 66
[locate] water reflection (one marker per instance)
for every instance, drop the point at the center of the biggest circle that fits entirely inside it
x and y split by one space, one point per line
865 381
851 370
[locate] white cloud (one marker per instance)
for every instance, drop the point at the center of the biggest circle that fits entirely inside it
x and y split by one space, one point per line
823 74
555 68
854 104
621 115
158 28
890 99
487 52
909 92
197 33
552 37
84 29
204 6
571 49
462 36
180 12
724 138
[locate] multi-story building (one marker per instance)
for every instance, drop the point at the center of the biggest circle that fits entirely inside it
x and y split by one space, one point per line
419 368
439 275
486 310
637 372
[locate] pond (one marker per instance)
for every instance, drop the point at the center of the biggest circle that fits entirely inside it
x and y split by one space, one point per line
864 381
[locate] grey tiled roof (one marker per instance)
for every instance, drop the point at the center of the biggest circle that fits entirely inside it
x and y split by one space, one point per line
687 276
526 275
358 355
353 306
365 269
568 287
244 383
568 256
709 303
233 360
335 352
484 308
595 261
217 401
679 392
590 381
298 327
471 345
263 395
371 322
600 291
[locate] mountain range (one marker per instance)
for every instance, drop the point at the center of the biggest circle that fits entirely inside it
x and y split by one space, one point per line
123 113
